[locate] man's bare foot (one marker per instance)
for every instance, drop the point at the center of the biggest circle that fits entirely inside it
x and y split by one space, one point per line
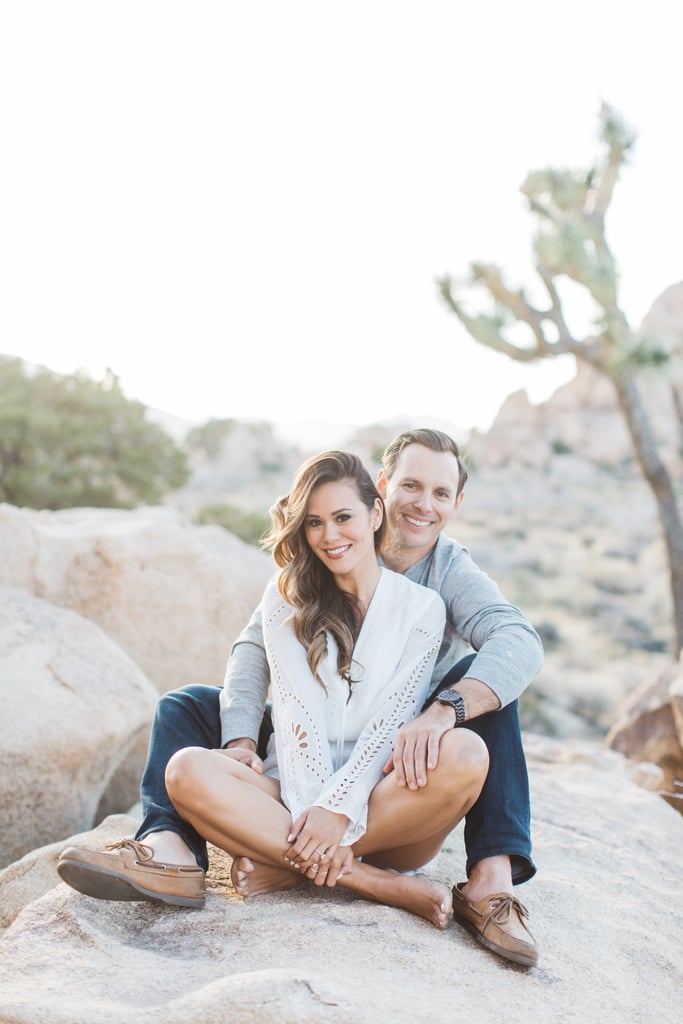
420 895
252 878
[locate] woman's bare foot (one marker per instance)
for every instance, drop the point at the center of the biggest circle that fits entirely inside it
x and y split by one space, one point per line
252 878
418 894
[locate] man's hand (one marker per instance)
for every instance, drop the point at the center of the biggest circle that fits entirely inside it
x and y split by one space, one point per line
244 751
417 746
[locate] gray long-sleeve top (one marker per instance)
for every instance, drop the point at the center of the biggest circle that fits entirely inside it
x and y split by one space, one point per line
509 650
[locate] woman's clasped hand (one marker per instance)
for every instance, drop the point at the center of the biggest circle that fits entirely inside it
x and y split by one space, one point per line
316 849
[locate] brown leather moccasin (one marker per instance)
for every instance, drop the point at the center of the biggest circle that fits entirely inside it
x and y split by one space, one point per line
492 922
126 870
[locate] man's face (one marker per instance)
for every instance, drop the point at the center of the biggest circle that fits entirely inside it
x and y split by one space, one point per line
420 498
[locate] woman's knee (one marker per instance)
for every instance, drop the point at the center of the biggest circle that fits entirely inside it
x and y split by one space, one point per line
185 771
463 755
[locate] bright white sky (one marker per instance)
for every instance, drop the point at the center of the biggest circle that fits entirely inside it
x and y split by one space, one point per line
242 207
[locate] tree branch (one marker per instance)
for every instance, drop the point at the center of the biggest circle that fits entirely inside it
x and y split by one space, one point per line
619 140
487 330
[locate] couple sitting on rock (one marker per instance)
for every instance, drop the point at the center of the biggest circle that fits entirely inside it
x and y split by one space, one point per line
380 736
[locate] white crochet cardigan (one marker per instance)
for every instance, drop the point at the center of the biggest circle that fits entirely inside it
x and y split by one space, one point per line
329 749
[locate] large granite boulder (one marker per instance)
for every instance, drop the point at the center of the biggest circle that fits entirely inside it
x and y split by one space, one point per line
34 874
174 596
648 729
605 906
73 705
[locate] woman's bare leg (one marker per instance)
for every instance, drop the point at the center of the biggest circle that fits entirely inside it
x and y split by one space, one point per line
236 810
407 828
207 789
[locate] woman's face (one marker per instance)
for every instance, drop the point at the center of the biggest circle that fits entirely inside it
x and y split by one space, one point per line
340 529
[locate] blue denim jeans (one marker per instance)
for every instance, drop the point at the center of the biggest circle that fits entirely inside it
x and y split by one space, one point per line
498 823
500 820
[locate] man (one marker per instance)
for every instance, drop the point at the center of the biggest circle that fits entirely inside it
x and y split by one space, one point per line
421 481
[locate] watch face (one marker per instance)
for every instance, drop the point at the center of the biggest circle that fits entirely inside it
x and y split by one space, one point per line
448 697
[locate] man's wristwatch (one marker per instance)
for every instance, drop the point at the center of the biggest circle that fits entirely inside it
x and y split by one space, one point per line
456 701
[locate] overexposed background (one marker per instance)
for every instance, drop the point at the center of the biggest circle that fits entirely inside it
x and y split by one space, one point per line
242 208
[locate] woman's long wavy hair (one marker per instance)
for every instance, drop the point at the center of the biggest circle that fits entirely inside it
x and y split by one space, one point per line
304 582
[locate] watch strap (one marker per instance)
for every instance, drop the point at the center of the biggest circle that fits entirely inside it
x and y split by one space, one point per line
455 700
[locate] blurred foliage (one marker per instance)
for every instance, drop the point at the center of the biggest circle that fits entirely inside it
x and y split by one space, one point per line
209 437
68 441
248 526
560 446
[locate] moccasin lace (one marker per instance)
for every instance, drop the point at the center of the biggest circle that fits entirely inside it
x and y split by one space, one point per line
502 907
142 852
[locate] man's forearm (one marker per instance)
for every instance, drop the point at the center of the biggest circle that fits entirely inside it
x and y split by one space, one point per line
244 693
479 698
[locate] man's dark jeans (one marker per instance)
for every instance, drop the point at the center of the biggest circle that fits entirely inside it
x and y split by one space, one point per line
498 823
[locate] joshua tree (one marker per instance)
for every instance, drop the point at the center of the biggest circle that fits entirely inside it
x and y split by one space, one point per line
570 243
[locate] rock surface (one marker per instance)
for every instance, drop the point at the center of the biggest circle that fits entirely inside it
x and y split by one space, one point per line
646 730
606 907
172 595
73 705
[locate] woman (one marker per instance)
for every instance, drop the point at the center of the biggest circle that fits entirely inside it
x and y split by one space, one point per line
351 647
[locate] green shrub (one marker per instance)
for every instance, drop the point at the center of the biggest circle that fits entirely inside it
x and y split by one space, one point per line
68 441
248 526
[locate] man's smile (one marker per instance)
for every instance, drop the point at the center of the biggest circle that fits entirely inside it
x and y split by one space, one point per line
416 522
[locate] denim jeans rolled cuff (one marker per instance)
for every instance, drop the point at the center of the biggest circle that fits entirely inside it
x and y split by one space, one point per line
523 867
499 822
186 717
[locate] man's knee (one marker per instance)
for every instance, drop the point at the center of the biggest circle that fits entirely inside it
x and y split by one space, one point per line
195 696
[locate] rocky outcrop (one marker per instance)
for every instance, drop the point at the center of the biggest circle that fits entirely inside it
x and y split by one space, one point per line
101 610
27 879
582 417
650 729
73 704
605 907
172 595
237 463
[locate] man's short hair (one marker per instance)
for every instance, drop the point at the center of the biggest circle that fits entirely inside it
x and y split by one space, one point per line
435 440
